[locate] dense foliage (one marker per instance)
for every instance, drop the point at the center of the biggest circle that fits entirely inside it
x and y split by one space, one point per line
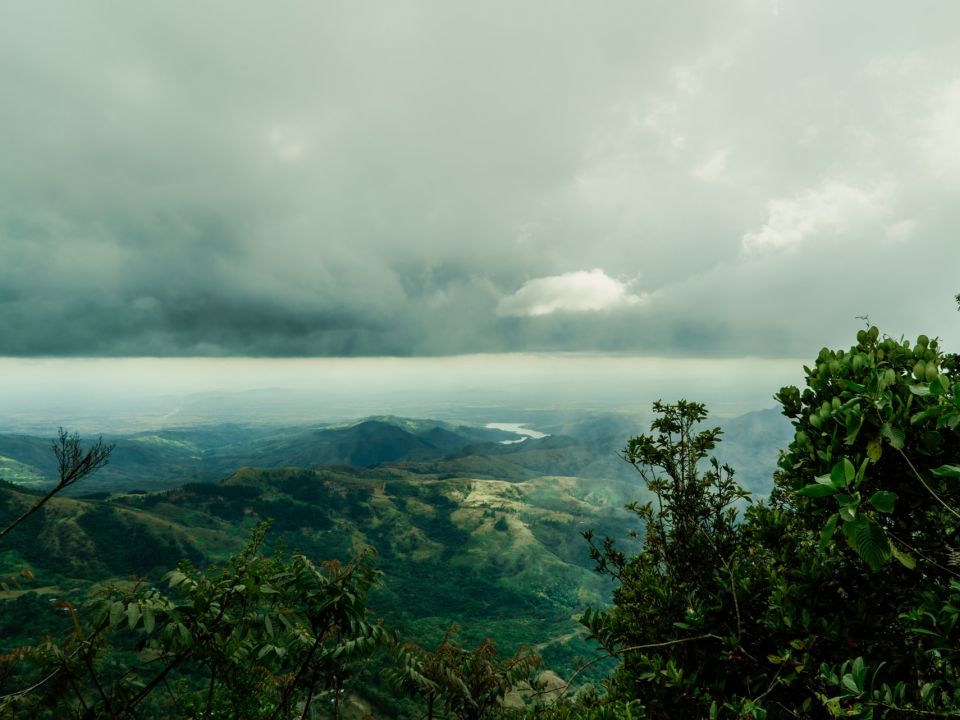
840 597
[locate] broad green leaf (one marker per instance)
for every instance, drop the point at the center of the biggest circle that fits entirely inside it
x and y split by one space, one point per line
947 471
940 385
894 435
817 490
869 540
826 535
843 473
133 615
920 390
859 671
116 613
185 635
148 619
851 684
854 423
848 511
924 414
883 500
874 449
903 558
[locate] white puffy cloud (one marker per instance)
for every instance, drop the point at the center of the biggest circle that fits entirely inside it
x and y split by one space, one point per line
832 205
579 291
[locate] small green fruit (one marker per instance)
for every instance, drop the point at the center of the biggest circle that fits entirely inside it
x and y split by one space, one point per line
931 373
920 370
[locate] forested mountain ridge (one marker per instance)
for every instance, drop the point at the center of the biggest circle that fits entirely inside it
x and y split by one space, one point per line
581 445
469 530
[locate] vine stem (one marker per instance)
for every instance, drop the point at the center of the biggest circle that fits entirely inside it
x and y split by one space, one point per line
924 483
633 648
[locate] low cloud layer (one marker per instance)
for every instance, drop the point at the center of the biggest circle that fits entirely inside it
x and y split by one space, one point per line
580 291
430 178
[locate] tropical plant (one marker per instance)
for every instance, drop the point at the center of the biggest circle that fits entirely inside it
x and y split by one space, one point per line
868 493
676 615
455 682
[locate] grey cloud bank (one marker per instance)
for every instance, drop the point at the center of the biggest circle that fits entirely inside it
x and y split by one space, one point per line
436 178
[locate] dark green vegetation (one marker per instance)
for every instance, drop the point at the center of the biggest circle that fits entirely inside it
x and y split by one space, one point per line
837 596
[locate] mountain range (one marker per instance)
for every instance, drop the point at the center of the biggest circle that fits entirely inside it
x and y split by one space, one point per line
472 527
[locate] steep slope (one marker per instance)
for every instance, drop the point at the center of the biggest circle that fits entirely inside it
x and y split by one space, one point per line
71 539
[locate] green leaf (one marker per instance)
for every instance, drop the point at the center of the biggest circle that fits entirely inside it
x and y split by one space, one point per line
859 671
894 435
940 385
848 510
854 423
869 540
903 558
116 613
843 473
817 491
861 472
947 471
148 619
851 684
185 635
133 615
920 390
826 535
883 500
924 414
874 449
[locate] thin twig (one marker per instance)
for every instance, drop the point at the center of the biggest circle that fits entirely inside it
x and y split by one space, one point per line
924 483
924 557
733 586
632 648
772 684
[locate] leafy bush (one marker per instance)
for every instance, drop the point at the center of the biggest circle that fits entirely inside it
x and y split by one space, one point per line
839 598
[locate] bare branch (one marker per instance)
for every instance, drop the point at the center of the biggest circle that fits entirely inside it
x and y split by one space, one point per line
73 464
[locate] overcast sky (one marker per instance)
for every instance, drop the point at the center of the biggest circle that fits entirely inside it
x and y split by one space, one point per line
703 179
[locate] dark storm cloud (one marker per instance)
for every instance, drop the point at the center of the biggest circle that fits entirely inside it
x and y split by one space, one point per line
429 178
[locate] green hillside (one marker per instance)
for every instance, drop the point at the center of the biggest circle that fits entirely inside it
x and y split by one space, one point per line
500 558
